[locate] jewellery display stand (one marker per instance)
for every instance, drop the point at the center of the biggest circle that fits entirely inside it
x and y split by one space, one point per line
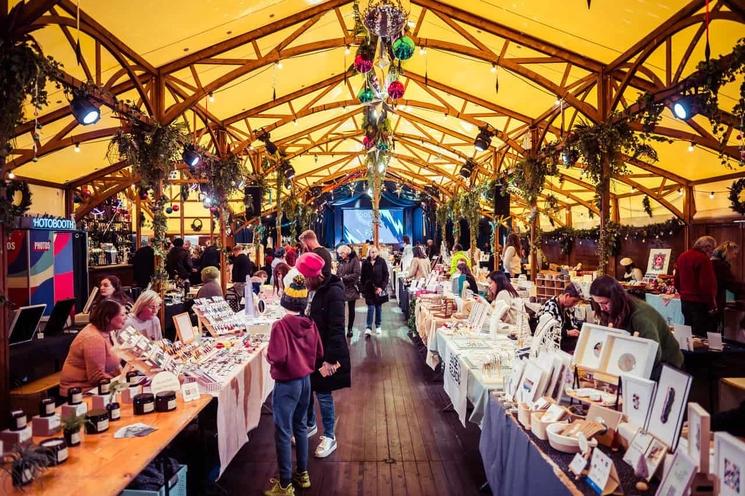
216 317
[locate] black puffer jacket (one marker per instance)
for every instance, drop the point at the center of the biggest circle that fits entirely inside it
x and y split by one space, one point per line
327 311
374 275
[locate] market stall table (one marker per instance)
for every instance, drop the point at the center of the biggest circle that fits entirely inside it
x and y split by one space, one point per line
668 306
38 358
708 367
104 466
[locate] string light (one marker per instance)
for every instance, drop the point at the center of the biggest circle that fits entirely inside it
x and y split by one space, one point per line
347 50
691 146
711 195
422 50
279 64
493 68
11 175
77 147
211 97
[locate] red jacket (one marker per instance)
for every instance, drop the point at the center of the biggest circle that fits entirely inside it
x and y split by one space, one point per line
695 279
294 348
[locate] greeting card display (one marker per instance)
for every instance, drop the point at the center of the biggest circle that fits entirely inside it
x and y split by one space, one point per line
628 355
590 344
699 422
678 478
638 394
729 458
666 417
532 382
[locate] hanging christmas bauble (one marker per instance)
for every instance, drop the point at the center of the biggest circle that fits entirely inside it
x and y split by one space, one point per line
175 208
385 18
143 194
365 95
382 146
361 64
368 142
169 210
77 199
396 90
403 48
214 210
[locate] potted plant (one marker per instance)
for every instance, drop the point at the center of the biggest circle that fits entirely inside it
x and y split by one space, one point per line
71 429
26 463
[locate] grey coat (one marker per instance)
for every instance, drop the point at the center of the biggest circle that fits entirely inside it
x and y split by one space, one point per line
349 272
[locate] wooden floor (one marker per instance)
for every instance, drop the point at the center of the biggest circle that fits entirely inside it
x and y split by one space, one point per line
393 437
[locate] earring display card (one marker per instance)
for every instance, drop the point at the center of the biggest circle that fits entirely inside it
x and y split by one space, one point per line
637 399
729 456
699 422
666 417
590 345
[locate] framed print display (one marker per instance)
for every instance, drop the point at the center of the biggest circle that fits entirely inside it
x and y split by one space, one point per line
699 423
729 458
637 399
513 380
529 388
184 329
678 478
628 355
653 457
683 335
666 417
590 344
659 261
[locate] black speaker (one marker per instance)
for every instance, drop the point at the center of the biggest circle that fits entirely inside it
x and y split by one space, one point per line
252 196
501 200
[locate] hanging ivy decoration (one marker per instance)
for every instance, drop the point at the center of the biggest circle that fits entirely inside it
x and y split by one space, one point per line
647 205
737 196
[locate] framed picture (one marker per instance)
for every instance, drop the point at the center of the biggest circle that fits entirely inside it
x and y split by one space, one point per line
533 379
659 260
654 456
677 480
628 355
637 399
184 329
729 457
699 423
590 344
513 380
666 417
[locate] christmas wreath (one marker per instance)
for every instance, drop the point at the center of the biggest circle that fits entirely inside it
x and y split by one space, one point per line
15 201
196 225
737 196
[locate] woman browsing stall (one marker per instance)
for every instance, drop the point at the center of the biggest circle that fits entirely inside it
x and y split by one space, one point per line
144 315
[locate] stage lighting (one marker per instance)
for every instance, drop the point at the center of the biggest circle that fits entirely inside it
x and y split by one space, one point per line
84 110
289 171
190 156
483 139
686 107
467 168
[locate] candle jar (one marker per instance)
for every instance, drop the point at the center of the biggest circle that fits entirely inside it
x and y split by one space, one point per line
56 449
18 420
74 396
133 377
96 421
46 407
72 437
143 403
104 386
115 411
165 401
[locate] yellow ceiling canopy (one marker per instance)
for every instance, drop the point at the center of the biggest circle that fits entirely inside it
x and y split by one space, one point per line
228 69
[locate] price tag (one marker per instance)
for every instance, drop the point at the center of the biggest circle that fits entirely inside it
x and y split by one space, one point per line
578 464
584 446
190 391
600 468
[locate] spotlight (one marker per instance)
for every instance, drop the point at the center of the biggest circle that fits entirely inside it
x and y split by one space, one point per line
84 110
569 157
483 139
289 171
190 156
271 148
381 168
467 168
686 107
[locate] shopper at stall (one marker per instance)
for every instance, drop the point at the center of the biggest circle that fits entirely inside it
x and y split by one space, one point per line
91 356
144 315
407 254
243 267
178 260
420 266
374 284
310 244
500 289
726 280
280 271
210 283
431 249
616 308
290 255
349 272
110 288
696 282
457 256
334 372
466 278
143 264
294 349
512 255
279 257
561 308
632 272
210 256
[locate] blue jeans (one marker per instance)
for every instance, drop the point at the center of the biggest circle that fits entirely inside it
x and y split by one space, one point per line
326 404
290 407
377 309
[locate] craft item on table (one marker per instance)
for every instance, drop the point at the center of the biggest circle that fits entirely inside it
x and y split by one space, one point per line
561 374
547 336
668 406
684 335
56 449
593 395
678 478
532 382
638 394
589 428
590 344
554 413
607 417
715 341
636 453
190 391
134 430
699 442
217 317
512 383
628 355
96 421
578 464
565 444
729 460
602 477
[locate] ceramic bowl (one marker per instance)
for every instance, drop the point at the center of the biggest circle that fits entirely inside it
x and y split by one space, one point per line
563 443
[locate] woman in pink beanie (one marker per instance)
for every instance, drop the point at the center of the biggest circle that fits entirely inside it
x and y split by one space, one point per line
334 371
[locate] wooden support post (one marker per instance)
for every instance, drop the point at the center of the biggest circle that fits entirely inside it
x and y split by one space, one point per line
69 202
689 211
535 137
607 263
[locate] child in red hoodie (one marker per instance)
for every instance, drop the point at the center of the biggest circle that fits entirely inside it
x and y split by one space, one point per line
294 348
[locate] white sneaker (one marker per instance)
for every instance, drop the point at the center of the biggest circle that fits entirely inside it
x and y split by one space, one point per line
312 431
368 332
326 447
379 331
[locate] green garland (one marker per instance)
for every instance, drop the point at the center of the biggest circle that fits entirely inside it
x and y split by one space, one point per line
737 202
224 175
647 205
470 201
528 177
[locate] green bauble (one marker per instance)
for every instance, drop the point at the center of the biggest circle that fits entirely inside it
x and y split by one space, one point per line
403 48
382 146
365 95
